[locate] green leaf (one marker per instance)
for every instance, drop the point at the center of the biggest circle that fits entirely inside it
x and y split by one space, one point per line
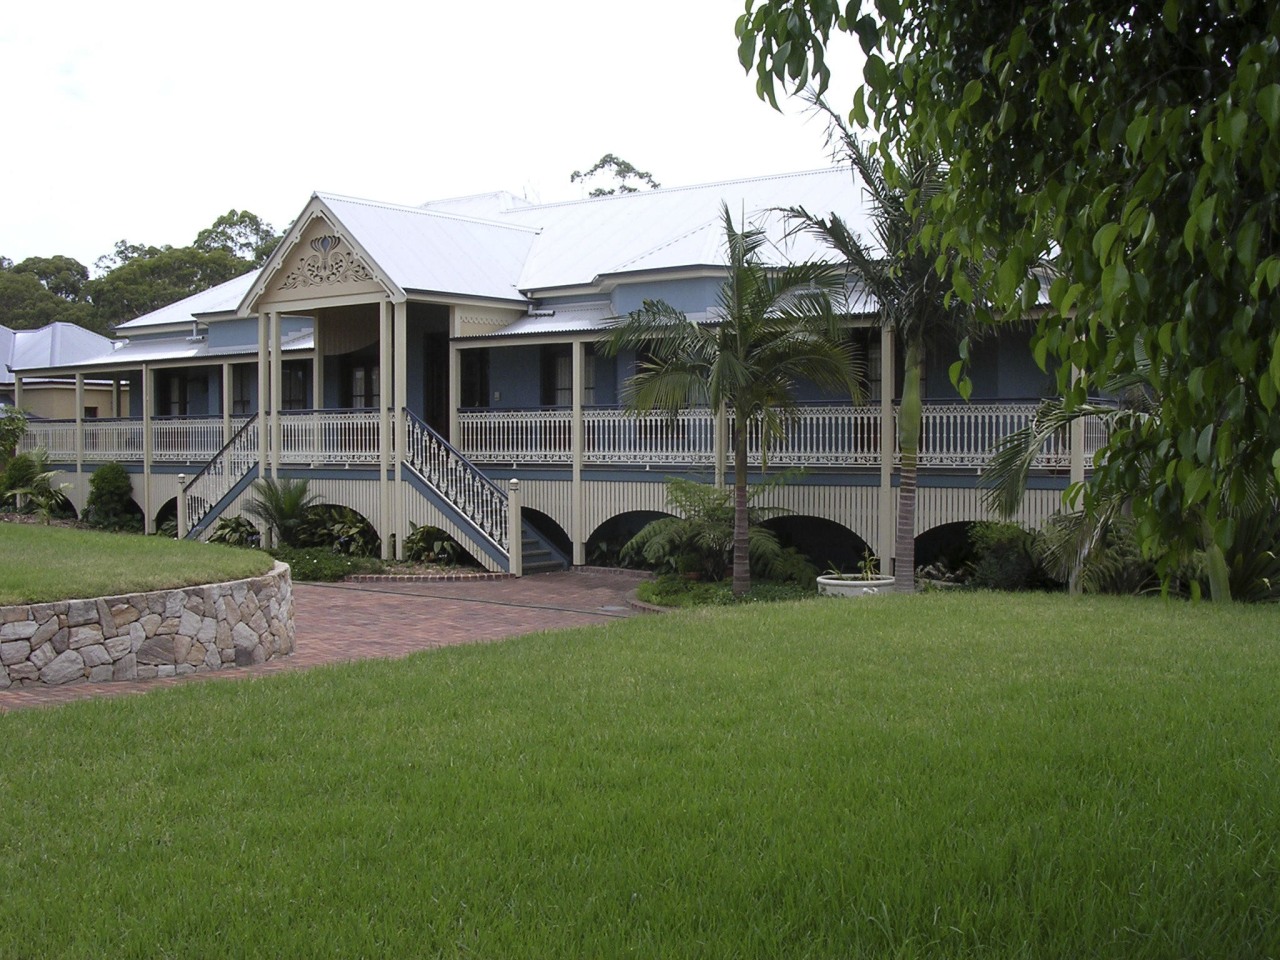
1136 133
876 73
1103 239
1268 101
1204 446
972 93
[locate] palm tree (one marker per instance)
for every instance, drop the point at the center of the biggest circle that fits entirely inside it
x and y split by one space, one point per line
775 327
282 505
1108 495
913 298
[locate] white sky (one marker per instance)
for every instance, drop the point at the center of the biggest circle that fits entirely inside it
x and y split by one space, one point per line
145 121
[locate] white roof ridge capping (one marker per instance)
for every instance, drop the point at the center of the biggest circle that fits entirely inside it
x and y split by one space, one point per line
684 188
423 210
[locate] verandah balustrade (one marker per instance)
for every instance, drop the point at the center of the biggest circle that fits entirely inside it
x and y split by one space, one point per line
953 435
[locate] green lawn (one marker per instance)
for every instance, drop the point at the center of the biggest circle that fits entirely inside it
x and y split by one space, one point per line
946 775
39 563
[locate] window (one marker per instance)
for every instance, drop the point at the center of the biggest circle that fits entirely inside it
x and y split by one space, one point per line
90 413
362 386
473 371
557 377
171 394
242 377
293 385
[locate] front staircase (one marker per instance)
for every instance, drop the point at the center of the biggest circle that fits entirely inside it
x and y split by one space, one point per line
442 487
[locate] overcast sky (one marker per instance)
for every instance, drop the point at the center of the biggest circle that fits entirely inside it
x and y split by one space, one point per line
145 121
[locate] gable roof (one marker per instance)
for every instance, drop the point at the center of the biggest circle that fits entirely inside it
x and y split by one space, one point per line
430 251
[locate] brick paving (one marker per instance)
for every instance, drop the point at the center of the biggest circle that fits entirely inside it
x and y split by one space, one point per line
341 622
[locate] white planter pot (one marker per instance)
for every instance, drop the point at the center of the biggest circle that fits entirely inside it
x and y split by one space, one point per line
854 586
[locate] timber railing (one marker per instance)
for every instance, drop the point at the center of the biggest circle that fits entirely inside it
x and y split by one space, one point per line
225 469
457 480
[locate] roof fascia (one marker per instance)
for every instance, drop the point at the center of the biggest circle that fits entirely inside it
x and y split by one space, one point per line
462 300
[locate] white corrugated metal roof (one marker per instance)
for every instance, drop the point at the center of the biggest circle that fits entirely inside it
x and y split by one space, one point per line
427 250
54 345
225 297
678 227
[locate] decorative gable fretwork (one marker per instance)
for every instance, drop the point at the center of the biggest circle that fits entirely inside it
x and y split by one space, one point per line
329 264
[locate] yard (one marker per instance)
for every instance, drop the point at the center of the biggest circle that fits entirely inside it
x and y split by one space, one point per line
946 775
39 563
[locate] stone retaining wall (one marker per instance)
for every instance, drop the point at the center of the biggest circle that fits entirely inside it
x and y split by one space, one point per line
139 636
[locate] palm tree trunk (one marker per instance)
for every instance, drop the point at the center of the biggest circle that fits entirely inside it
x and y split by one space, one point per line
741 555
909 417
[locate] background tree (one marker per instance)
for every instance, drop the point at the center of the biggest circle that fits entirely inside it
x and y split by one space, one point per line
1140 142
625 177
776 328
39 291
913 299
158 277
133 279
240 233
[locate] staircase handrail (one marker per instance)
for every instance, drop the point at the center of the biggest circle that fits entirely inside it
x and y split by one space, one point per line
197 504
455 478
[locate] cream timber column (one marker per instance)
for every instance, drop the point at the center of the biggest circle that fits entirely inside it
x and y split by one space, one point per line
79 423
455 393
277 395
317 367
386 522
577 439
17 390
400 325
228 388
115 397
148 522
888 444
721 438
264 392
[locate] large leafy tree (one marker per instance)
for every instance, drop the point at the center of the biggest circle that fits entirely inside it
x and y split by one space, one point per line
913 299
775 328
42 290
156 277
240 233
1139 142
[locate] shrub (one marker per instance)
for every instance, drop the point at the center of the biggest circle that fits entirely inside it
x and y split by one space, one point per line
338 529
282 505
700 540
18 475
318 564
1005 558
110 505
235 532
432 545
13 424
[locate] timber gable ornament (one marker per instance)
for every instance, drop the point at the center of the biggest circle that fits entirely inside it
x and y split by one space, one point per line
327 265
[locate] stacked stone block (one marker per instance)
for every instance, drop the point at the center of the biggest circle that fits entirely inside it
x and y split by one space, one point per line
140 636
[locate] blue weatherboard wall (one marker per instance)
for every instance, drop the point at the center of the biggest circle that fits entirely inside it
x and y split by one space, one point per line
691 296
515 373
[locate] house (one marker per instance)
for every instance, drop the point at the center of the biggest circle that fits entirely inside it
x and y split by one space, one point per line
51 346
437 364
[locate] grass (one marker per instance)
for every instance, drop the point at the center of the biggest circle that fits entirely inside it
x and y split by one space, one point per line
946 775
39 563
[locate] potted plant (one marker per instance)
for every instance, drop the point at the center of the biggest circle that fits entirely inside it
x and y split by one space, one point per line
867 582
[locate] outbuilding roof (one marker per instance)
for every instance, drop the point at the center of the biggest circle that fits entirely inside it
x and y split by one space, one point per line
56 344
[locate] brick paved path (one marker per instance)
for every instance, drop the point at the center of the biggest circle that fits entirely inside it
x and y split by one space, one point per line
338 622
